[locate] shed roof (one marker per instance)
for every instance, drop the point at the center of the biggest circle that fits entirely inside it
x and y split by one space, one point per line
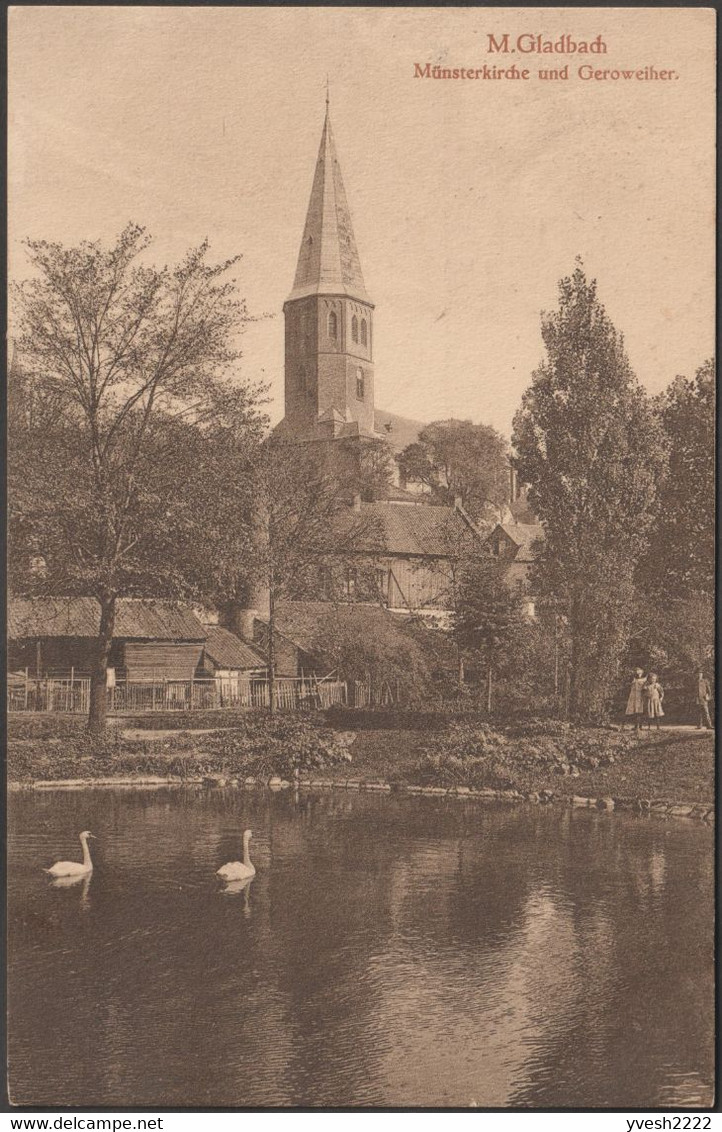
136 619
227 650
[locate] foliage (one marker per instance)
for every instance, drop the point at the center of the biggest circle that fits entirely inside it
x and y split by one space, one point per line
477 756
592 450
261 747
41 726
384 649
457 458
123 421
488 620
681 558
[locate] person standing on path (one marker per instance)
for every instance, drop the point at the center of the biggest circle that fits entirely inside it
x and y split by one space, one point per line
635 703
703 697
653 696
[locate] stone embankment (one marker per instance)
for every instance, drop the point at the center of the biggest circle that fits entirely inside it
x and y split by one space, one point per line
642 806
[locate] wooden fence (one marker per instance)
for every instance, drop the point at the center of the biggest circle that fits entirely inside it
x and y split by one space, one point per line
72 694
66 694
364 694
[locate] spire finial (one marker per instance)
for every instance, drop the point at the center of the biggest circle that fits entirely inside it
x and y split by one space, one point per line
328 94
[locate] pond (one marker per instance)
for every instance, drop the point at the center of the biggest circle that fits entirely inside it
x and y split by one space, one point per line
390 952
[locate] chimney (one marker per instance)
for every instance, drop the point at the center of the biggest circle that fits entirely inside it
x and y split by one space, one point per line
357 502
240 617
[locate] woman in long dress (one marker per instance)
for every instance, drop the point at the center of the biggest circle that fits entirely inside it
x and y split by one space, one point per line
653 696
635 703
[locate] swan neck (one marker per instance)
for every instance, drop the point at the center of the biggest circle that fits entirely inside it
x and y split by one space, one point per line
86 852
246 854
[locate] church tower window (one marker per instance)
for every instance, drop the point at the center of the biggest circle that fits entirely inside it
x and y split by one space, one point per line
360 384
332 325
354 329
364 333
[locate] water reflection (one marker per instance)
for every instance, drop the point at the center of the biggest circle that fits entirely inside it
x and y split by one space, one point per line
388 952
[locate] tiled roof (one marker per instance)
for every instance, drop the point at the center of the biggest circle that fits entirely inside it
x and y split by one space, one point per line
136 618
409 529
524 535
300 621
227 650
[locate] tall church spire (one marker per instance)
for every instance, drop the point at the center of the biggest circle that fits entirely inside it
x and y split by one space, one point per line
328 260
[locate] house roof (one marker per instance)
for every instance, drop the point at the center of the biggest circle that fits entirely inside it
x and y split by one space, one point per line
409 528
136 618
523 535
227 650
300 621
328 260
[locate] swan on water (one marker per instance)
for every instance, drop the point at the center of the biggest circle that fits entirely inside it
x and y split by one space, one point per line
74 868
239 870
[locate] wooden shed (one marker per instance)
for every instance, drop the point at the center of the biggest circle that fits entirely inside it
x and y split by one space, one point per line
154 640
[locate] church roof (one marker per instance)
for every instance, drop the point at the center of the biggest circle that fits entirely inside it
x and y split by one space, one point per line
399 432
328 260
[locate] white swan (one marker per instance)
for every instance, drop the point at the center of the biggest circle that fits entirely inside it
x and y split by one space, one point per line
74 868
239 870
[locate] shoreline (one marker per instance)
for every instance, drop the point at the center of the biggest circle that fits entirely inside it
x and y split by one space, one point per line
695 811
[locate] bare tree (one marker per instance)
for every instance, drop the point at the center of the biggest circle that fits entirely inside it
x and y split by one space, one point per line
303 523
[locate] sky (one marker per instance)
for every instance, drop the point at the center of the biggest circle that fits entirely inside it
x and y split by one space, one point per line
470 199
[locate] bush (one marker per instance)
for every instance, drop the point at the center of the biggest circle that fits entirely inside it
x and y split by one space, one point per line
45 726
261 747
466 755
478 756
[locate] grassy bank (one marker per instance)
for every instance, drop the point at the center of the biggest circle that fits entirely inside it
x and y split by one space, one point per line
530 757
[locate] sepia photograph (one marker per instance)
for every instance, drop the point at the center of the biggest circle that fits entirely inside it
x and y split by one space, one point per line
361 684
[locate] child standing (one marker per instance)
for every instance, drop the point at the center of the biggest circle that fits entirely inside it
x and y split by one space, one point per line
653 696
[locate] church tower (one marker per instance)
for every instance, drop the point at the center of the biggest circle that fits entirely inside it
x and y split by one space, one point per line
329 379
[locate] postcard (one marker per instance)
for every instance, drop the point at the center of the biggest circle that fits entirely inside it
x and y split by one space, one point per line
361 674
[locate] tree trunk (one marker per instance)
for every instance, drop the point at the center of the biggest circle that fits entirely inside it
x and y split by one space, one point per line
459 669
99 676
271 646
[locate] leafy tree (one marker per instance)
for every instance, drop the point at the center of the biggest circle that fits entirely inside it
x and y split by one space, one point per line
489 618
368 644
125 431
460 459
681 557
593 452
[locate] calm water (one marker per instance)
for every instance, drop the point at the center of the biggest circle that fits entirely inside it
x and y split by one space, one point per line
389 952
